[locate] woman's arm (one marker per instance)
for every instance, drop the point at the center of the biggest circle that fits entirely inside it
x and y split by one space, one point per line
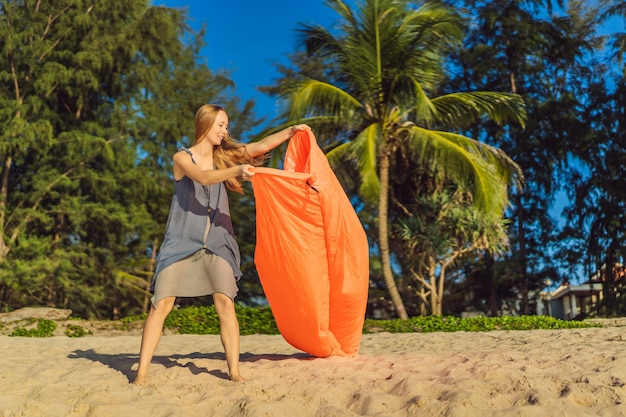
270 142
183 165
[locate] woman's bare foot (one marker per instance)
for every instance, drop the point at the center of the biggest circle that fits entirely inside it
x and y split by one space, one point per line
140 381
237 378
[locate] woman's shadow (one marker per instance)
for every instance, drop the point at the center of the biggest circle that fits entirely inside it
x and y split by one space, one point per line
124 362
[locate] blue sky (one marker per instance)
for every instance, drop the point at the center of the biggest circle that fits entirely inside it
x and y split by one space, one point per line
247 38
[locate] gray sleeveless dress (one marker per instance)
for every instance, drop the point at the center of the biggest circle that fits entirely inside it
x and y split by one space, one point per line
199 254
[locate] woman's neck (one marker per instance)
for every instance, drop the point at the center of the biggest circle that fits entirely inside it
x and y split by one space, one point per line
203 155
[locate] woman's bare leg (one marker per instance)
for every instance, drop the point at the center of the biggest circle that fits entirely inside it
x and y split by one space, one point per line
229 333
152 330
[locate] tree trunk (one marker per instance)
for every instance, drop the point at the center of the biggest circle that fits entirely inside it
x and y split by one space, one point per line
522 257
493 287
4 193
493 300
146 298
608 284
442 279
520 218
383 237
434 298
422 294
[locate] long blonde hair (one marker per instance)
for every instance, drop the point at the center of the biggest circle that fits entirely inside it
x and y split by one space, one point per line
230 152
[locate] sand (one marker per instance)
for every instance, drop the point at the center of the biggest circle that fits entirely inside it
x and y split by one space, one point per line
501 373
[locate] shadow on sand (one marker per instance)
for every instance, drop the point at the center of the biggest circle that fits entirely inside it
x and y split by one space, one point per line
124 362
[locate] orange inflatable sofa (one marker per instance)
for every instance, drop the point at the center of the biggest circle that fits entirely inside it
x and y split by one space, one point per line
312 254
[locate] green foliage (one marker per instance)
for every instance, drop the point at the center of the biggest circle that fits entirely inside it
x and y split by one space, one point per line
45 328
204 320
389 65
256 320
95 98
194 320
429 324
260 320
517 46
74 330
382 95
127 322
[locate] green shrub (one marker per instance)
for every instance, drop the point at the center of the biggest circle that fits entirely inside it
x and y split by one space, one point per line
194 320
260 320
474 324
74 330
127 322
254 320
204 320
45 328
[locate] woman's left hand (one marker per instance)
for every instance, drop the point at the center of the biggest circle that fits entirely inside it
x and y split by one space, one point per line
292 130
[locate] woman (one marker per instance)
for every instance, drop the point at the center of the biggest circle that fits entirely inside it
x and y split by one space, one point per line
199 254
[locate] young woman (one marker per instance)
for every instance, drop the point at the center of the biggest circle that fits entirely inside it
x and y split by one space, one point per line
199 254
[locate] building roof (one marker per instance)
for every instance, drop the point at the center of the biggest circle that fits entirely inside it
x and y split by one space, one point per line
564 290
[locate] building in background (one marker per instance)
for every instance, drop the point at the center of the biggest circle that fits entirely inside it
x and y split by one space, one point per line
570 302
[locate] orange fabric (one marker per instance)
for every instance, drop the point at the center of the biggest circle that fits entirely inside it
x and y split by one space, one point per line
311 253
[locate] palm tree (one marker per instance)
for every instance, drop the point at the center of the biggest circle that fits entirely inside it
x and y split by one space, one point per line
386 59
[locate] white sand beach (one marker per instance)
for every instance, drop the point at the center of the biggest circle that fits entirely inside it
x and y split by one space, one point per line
501 373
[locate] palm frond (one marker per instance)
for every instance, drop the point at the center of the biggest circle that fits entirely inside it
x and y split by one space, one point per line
340 153
312 97
438 23
364 151
619 9
461 159
506 170
318 123
318 40
464 109
342 9
365 146
423 107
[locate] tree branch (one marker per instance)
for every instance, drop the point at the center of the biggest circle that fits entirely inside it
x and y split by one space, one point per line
45 192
